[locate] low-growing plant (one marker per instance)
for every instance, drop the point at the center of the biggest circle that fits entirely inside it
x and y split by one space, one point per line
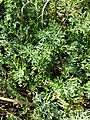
45 58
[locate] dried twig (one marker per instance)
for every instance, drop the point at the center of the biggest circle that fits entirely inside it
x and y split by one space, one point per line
15 101
4 112
23 9
43 10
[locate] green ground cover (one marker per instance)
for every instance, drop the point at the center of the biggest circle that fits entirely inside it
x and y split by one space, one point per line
45 59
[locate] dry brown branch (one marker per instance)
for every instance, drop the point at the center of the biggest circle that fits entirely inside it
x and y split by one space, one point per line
15 101
4 112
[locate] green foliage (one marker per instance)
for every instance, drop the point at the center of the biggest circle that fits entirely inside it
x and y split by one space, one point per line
11 117
45 49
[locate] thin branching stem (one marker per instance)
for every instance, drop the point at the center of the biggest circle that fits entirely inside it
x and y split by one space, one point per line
43 10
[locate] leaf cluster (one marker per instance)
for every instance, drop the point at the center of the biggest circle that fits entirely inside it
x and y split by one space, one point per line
45 57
